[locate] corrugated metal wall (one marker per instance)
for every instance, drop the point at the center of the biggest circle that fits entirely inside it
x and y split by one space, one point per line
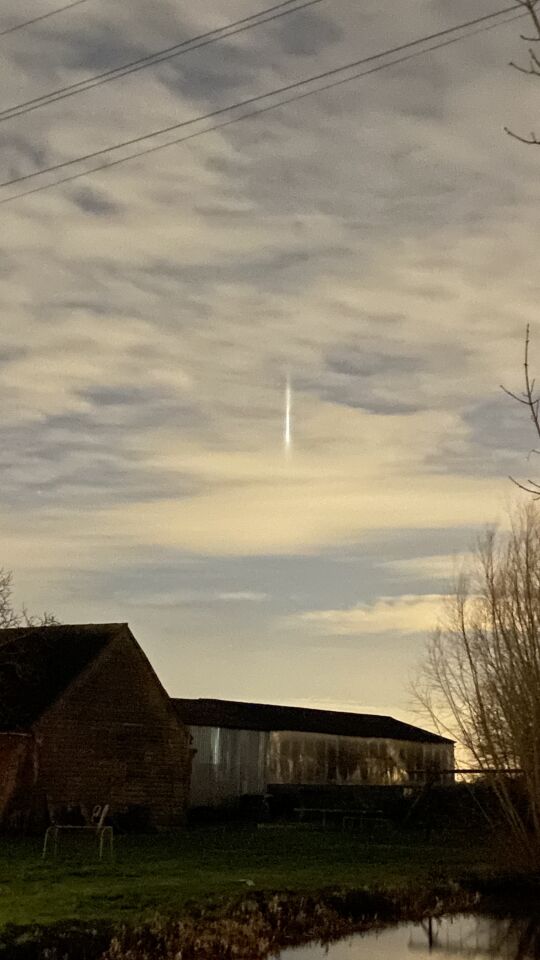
315 758
228 764
231 763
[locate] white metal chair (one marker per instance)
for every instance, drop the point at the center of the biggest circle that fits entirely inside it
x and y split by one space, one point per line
103 832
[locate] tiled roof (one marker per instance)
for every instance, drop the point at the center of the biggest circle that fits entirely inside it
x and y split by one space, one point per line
263 716
38 663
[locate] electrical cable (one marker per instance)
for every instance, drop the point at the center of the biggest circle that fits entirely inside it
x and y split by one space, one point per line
160 56
259 111
255 99
42 16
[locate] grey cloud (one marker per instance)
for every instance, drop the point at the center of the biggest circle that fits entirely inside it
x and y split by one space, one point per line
97 47
136 409
210 71
9 354
88 306
73 459
351 360
21 155
333 235
360 394
107 395
500 443
83 480
287 269
419 89
500 424
223 213
307 33
291 584
359 375
90 201
389 406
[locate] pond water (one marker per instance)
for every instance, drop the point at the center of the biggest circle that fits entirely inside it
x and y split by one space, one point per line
473 937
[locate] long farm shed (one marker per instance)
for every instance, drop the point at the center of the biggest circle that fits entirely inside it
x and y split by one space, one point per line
249 748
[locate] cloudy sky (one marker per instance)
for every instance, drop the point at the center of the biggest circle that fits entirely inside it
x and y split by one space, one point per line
376 243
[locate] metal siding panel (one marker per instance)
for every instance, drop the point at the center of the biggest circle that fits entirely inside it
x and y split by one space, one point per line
228 764
232 763
314 758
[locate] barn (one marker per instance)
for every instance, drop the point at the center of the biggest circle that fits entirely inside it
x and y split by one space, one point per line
245 749
84 721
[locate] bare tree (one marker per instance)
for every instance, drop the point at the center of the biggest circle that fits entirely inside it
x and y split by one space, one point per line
529 398
532 67
10 616
480 681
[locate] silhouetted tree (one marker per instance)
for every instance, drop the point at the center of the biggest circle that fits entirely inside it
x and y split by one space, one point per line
529 398
480 681
10 616
532 67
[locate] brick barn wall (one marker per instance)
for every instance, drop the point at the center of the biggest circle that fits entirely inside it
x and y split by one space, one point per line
114 738
17 777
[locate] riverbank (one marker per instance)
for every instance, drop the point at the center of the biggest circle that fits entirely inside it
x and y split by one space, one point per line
233 887
258 925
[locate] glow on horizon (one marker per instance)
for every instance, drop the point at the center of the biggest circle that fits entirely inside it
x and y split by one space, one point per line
287 426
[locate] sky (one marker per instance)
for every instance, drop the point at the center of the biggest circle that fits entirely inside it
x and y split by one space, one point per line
375 245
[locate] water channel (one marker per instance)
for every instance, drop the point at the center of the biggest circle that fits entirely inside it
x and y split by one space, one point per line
471 937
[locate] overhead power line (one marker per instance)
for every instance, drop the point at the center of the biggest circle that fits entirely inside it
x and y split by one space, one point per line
261 96
254 113
42 16
159 56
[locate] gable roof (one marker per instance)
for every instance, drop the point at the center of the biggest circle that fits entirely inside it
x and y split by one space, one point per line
37 664
264 716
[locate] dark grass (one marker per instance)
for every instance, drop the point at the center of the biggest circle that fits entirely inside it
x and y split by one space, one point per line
160 874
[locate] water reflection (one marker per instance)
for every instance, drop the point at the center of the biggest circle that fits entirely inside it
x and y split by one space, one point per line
476 938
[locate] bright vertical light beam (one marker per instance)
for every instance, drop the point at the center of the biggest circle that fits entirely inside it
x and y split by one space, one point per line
287 425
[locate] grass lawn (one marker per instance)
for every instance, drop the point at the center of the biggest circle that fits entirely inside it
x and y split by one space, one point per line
160 873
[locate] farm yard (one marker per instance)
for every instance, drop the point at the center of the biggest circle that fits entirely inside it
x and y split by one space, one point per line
163 873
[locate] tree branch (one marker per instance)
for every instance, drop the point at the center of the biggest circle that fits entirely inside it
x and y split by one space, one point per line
533 139
531 400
